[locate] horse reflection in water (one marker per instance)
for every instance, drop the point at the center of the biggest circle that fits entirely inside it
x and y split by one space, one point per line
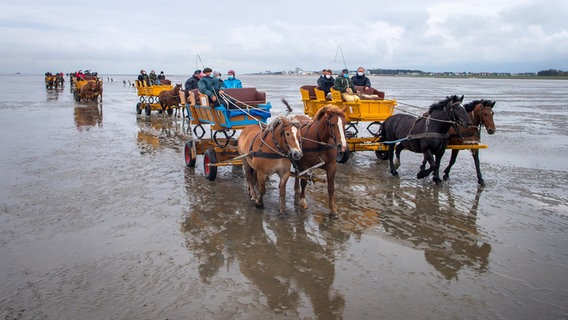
88 116
156 132
429 220
281 258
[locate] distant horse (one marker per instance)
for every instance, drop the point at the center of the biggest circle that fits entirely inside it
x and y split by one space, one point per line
427 134
322 137
91 91
169 98
481 114
269 150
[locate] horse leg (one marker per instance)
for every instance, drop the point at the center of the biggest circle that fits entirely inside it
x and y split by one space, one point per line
436 168
391 163
261 180
399 149
331 191
303 202
427 158
453 158
250 178
282 188
475 154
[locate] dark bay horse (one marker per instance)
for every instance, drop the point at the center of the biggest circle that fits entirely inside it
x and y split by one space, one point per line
481 114
269 150
322 137
169 98
427 134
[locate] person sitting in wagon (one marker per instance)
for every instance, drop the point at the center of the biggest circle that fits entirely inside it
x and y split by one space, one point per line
210 87
344 84
325 82
232 81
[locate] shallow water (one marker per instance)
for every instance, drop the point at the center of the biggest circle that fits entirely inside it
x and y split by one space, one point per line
100 218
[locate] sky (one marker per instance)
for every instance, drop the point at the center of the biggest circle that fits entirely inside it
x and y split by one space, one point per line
249 36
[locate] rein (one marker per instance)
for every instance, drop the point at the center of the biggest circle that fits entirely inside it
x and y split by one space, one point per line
322 145
277 149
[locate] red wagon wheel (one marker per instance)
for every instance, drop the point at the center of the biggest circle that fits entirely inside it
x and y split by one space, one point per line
210 158
190 154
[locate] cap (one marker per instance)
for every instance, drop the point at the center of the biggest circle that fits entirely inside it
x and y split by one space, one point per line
216 73
206 70
197 72
231 72
345 71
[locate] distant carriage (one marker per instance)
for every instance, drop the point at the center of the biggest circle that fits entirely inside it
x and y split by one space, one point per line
149 97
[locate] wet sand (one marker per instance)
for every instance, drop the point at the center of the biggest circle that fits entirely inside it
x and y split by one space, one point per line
100 218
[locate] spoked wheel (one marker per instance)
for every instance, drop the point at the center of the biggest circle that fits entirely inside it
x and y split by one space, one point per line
342 157
190 154
383 155
139 108
210 158
148 109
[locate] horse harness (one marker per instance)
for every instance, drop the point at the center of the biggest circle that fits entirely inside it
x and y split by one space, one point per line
322 146
278 153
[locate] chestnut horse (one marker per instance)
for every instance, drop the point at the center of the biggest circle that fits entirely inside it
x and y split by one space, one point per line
481 114
427 134
91 91
267 151
169 98
322 137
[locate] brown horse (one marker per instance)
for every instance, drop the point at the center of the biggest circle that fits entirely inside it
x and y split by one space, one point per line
169 98
481 114
322 137
91 91
269 150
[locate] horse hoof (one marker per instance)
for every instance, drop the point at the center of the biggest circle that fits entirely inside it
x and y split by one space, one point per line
437 181
446 177
303 203
421 175
394 173
333 216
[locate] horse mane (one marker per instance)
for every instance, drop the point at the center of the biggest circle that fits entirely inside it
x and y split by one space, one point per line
331 110
471 105
441 104
282 119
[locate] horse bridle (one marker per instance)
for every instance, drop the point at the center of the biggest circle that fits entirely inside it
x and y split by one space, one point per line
323 145
279 152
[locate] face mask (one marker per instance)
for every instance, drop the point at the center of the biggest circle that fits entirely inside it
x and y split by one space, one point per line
231 77
346 75
360 74
328 76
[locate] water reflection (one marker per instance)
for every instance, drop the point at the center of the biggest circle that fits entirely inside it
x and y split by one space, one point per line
88 116
160 131
428 218
52 94
289 260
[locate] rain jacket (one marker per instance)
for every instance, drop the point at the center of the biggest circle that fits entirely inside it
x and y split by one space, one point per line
362 81
341 84
232 83
209 86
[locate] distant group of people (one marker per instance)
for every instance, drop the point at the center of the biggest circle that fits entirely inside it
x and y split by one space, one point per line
152 78
80 75
345 84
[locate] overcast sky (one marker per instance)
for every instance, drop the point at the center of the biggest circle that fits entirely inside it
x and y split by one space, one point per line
255 36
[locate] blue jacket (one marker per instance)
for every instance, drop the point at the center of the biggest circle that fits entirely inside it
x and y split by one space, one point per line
232 83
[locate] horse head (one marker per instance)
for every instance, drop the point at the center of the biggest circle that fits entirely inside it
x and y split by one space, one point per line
486 115
290 134
177 88
456 111
335 122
